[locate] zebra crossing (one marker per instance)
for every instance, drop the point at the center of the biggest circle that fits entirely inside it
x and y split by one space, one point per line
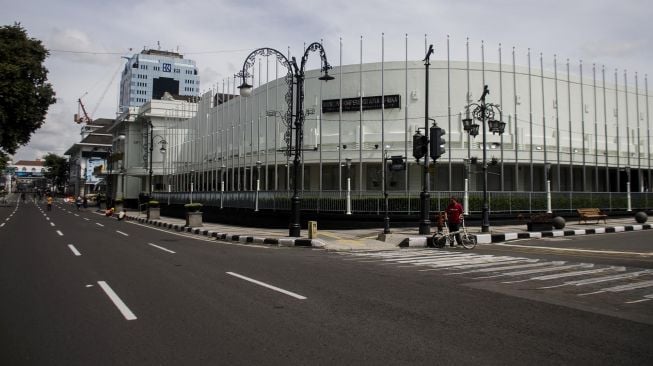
581 279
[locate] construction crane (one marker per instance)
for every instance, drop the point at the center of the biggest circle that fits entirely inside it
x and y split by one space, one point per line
85 118
82 115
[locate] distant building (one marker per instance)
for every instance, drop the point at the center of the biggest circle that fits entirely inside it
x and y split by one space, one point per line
26 175
88 157
151 73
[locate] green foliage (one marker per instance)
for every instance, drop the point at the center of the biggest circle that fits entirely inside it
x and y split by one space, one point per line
56 169
153 204
193 207
25 94
4 159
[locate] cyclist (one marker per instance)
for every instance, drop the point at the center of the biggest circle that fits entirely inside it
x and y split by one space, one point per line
454 216
50 200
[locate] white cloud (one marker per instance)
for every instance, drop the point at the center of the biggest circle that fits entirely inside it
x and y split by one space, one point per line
219 34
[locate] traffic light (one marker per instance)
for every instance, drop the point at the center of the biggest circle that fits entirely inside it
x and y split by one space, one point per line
437 142
397 163
419 145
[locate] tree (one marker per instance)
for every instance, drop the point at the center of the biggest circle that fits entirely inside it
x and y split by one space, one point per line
4 159
25 94
56 169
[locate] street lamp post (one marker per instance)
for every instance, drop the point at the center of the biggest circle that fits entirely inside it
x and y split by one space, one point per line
425 223
386 219
348 162
222 172
484 112
163 144
192 174
258 183
295 77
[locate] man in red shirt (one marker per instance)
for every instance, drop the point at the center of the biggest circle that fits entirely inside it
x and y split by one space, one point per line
454 218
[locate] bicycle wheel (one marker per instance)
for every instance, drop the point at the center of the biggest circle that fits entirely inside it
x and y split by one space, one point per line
469 241
439 240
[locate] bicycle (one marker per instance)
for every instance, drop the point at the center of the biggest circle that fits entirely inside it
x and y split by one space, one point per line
441 238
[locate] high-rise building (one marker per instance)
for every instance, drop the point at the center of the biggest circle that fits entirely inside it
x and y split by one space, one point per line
151 73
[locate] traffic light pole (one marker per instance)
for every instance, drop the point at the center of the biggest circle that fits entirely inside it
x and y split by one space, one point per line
425 223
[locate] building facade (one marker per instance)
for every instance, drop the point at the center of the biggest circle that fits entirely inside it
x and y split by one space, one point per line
87 158
151 73
583 128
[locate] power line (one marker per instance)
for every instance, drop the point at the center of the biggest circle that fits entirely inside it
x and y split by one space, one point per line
122 53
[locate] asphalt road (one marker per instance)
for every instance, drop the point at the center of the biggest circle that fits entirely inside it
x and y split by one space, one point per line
80 288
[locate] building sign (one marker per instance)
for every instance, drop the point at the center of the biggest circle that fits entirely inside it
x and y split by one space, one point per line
353 104
90 170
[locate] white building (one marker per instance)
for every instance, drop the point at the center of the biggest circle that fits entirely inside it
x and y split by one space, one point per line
133 130
151 73
591 126
88 156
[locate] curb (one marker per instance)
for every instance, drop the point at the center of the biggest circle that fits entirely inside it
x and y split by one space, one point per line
421 241
242 239
499 238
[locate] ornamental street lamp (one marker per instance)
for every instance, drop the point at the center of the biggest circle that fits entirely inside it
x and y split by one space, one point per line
163 150
484 112
294 78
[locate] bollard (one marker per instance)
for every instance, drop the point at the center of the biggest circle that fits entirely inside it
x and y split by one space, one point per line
312 229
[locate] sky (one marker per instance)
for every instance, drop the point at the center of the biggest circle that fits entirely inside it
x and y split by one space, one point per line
87 38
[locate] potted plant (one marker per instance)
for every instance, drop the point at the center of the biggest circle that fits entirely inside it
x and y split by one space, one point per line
540 222
153 210
193 214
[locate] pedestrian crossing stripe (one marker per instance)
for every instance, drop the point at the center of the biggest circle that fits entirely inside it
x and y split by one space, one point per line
530 269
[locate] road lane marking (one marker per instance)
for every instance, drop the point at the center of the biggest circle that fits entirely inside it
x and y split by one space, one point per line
3 224
60 233
162 248
51 223
292 294
47 218
645 254
578 273
97 223
601 279
74 250
87 219
506 268
120 232
77 215
117 301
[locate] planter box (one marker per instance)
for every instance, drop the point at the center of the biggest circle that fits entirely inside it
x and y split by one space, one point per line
154 213
539 226
194 219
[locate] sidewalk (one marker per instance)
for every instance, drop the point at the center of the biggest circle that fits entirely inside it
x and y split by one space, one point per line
366 239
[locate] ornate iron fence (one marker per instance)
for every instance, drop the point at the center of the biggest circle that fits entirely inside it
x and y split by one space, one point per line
409 203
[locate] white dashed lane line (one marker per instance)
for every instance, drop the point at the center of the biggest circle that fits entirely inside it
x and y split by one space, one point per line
98 224
74 250
274 288
60 233
124 310
121 233
162 248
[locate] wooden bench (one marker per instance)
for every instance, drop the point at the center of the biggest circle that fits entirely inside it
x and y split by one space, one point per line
591 214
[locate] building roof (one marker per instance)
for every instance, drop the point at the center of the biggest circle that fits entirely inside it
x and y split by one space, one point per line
29 162
162 53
